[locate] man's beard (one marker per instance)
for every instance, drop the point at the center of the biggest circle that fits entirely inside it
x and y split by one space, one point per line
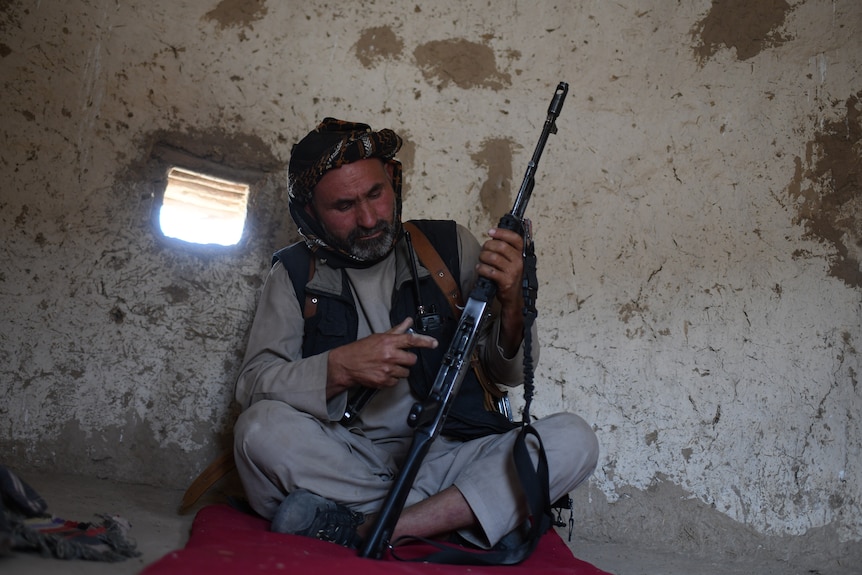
367 249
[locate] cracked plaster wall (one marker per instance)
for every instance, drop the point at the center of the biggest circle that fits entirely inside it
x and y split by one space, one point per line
698 221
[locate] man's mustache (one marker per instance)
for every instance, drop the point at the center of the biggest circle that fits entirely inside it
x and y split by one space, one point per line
360 233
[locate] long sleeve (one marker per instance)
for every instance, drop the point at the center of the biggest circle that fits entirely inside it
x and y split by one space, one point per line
273 367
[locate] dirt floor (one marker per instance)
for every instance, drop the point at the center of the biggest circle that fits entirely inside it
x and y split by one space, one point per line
158 528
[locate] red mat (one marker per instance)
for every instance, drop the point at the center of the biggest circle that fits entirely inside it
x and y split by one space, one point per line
226 541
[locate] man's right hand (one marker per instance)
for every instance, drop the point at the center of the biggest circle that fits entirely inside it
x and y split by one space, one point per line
379 360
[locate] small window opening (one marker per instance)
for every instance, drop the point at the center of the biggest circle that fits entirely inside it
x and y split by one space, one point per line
202 209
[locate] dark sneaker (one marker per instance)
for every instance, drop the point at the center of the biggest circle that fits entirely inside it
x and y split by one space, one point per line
304 513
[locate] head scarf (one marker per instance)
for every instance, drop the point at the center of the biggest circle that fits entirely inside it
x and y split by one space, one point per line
331 145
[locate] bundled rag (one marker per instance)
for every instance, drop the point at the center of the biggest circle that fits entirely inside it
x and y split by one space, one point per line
25 525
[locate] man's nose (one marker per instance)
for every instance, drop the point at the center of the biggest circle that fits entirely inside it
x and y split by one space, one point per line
366 217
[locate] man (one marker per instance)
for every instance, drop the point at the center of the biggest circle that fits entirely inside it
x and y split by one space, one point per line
304 464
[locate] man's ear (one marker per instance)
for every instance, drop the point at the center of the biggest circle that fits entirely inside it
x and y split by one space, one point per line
390 170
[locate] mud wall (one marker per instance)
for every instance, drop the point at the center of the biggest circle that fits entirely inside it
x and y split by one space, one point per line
698 221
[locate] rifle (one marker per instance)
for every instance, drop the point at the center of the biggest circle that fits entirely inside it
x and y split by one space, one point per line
427 416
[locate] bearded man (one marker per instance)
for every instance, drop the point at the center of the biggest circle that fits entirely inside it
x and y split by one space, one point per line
335 323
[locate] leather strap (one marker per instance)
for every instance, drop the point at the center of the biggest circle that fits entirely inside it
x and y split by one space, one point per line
310 307
434 264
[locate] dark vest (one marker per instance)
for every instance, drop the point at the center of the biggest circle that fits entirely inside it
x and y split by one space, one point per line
336 323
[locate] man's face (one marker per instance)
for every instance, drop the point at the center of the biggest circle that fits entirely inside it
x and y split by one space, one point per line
355 205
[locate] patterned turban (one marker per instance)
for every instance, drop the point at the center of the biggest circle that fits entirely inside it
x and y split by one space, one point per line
331 145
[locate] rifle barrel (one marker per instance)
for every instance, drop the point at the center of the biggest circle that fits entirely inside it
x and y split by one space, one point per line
550 127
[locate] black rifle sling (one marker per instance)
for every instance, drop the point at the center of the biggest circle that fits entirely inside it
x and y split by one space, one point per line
534 482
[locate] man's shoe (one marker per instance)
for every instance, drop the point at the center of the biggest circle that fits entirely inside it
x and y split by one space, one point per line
304 513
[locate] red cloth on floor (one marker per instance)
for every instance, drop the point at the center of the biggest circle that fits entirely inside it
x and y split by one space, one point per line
225 541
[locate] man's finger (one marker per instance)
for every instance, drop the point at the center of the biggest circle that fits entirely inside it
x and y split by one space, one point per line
402 327
419 340
413 339
509 237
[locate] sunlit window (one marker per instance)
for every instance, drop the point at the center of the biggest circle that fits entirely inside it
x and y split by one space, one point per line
202 209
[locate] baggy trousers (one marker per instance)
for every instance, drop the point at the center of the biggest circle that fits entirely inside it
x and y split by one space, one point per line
279 449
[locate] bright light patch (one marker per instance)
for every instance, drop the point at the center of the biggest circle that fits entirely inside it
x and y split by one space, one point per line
202 209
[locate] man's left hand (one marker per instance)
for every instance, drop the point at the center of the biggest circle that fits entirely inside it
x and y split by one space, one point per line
501 260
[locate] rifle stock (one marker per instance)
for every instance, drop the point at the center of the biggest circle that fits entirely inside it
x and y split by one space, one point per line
428 416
